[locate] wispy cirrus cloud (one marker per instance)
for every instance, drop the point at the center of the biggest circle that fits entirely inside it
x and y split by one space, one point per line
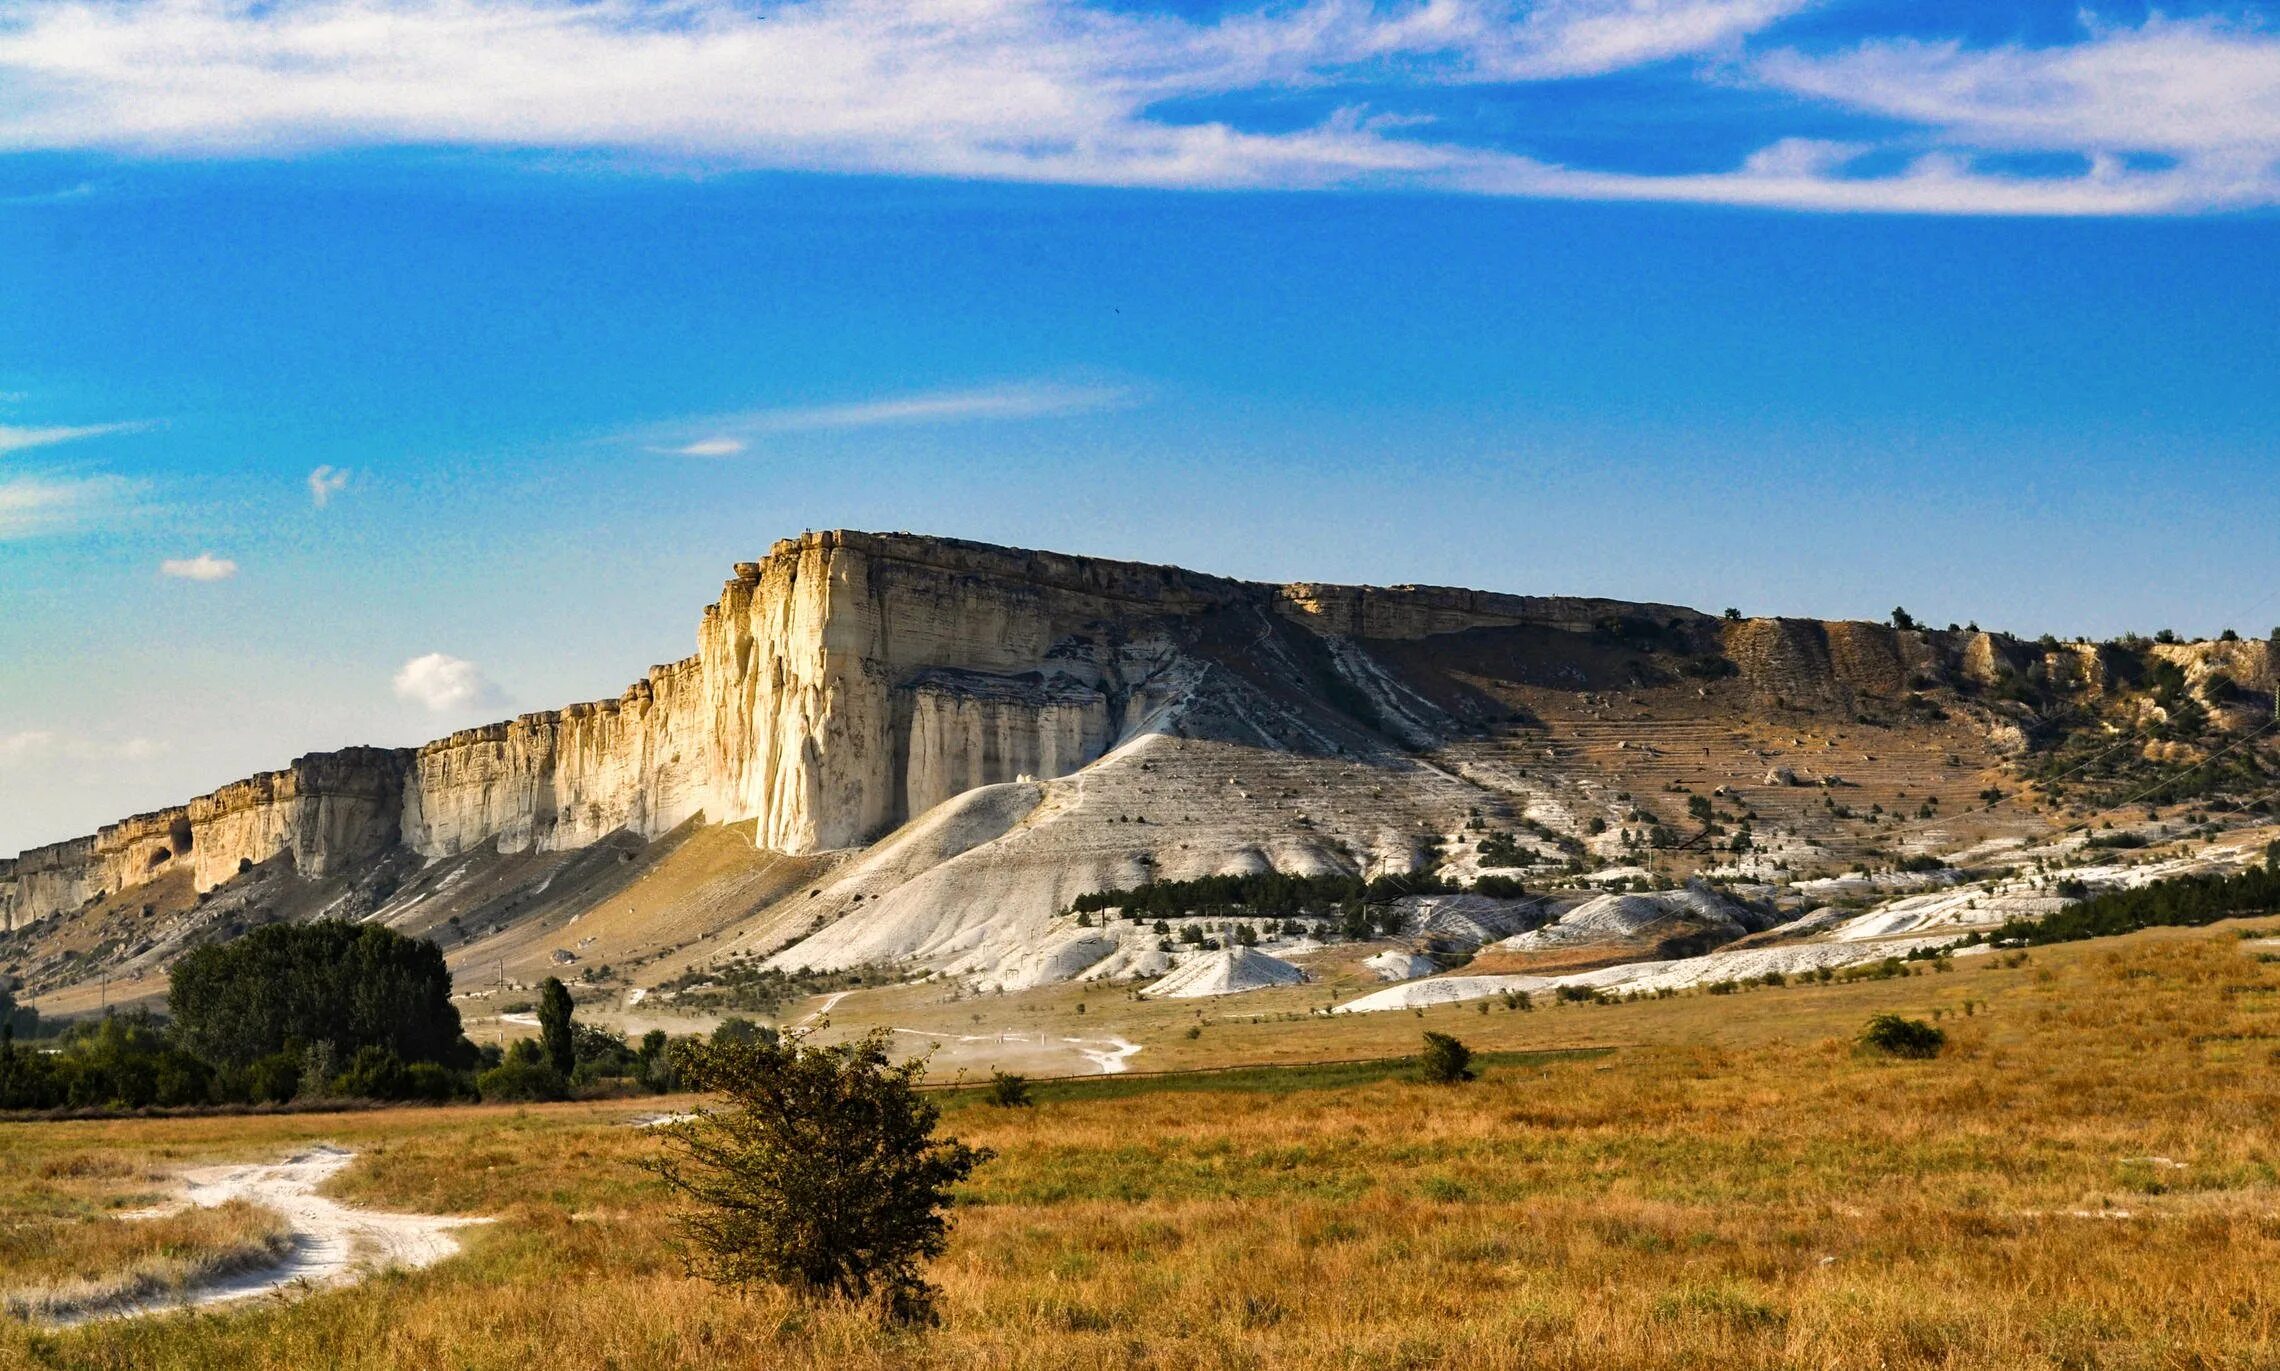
1080 92
48 743
35 505
2191 88
1039 89
19 439
733 434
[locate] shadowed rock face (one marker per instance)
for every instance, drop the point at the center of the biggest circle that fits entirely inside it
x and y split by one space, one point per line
848 683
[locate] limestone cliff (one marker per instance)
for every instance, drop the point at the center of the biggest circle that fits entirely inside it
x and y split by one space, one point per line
840 685
848 683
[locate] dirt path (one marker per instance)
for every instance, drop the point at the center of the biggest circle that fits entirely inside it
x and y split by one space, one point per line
1110 1062
830 1002
1107 1054
333 1245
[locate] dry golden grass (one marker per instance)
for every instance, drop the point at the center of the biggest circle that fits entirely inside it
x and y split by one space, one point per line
84 1229
2086 1179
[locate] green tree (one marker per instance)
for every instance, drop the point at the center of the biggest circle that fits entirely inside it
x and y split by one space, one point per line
349 985
1444 1060
524 1074
555 1029
824 1174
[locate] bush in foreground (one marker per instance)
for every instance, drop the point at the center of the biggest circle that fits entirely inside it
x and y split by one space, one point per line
1444 1060
1898 1037
823 1175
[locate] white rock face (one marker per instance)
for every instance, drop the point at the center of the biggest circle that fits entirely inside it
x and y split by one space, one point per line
1467 920
840 686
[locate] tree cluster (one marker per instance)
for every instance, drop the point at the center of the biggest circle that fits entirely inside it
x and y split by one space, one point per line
2179 901
325 1010
1266 894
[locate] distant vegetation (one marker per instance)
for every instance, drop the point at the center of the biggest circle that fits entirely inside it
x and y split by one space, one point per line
351 985
1268 894
319 1011
17 1020
750 988
2180 901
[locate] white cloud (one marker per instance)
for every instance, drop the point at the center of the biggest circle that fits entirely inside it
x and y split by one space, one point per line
1020 89
32 505
62 195
26 743
13 439
2198 87
728 435
42 743
709 447
444 684
2202 96
203 567
1073 92
1020 400
326 482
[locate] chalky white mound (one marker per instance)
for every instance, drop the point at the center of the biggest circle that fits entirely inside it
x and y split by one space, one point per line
1230 971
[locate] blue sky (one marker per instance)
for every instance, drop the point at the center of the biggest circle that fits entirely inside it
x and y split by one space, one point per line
370 368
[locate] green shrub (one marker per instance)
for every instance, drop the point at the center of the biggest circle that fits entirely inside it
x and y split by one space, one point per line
1900 1037
1444 1060
824 1175
375 1074
274 1079
522 1078
1009 1091
432 1083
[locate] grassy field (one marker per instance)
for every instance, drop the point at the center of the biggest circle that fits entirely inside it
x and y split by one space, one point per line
2087 1178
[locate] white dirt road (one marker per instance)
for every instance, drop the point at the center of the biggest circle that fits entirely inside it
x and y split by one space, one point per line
333 1244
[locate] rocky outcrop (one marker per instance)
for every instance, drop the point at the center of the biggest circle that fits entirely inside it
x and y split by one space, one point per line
328 812
1785 658
2248 663
1403 612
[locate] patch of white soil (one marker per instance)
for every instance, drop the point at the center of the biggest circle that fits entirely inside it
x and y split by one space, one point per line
1682 973
1229 971
1397 965
333 1244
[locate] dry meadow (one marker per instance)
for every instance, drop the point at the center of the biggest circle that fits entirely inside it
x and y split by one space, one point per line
2085 1178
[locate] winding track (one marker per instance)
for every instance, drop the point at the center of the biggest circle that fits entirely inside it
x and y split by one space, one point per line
333 1244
